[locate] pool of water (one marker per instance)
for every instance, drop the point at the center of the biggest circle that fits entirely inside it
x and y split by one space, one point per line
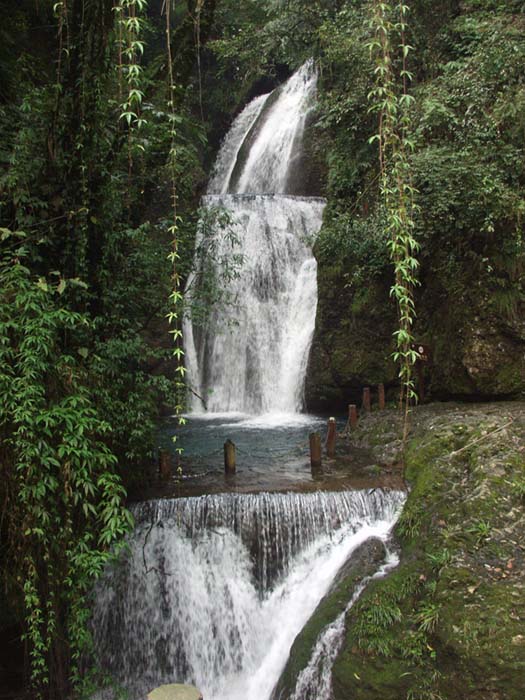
272 455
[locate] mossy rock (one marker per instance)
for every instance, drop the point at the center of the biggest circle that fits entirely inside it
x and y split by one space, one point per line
449 621
478 349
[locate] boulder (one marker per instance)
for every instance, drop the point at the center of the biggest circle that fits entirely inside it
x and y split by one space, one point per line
175 691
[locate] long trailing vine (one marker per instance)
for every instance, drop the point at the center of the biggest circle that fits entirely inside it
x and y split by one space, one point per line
390 98
176 296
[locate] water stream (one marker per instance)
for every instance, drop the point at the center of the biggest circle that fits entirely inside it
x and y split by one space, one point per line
314 682
214 590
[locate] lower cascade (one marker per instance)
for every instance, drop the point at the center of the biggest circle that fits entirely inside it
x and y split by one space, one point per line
212 591
315 681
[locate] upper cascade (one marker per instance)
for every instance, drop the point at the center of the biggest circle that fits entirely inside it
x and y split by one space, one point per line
225 163
260 150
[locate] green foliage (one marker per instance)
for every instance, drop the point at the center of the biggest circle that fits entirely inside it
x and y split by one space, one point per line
95 278
440 558
427 616
215 246
392 101
410 520
377 617
481 530
360 240
63 502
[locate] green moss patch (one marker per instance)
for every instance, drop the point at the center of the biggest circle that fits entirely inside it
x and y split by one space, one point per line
449 622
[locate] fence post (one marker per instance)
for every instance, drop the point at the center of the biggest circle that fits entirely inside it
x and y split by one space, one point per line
381 396
315 450
230 463
366 399
330 437
165 465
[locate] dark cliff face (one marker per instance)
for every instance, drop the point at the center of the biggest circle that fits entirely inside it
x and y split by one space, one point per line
468 169
447 622
478 349
352 344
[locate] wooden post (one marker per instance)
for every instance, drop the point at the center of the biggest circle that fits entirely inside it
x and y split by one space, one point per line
381 396
315 450
330 437
352 415
229 457
366 399
165 465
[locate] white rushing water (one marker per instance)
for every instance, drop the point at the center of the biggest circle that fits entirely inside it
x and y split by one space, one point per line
250 354
215 589
225 163
315 681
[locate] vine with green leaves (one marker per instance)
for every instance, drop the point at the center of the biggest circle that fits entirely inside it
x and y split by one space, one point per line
63 506
130 47
390 98
176 297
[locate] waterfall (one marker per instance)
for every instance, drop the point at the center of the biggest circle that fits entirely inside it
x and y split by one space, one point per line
250 354
223 168
213 590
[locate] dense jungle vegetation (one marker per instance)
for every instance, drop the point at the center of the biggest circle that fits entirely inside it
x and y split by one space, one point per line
110 114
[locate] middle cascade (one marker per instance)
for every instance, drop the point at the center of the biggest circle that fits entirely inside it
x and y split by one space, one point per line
251 356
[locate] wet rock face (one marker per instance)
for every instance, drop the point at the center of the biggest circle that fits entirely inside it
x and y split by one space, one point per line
363 562
493 360
308 171
352 343
479 351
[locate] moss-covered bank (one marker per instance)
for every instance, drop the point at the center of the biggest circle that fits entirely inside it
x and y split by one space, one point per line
449 622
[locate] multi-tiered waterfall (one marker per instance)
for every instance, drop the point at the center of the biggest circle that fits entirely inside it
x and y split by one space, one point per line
250 355
213 590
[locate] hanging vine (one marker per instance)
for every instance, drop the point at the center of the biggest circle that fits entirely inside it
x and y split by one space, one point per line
390 98
176 296
130 48
197 31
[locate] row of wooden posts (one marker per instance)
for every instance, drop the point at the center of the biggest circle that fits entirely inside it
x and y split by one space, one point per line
316 459
316 452
230 460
